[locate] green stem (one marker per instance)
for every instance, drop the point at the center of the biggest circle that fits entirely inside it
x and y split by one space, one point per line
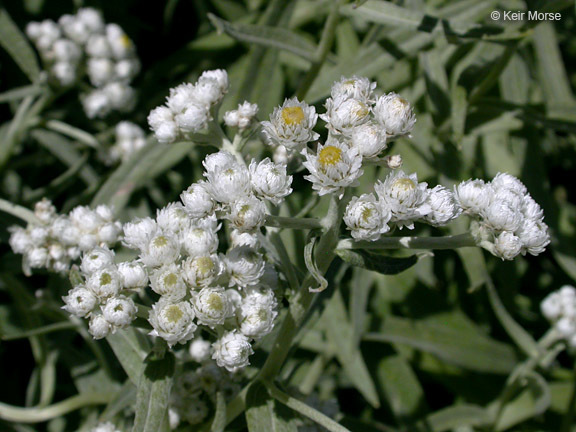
64 325
73 132
293 223
568 418
19 211
322 51
446 242
37 415
305 409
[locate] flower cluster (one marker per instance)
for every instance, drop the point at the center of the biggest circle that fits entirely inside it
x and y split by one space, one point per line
57 240
103 297
188 108
359 127
194 395
560 309
85 42
401 200
242 117
129 139
508 220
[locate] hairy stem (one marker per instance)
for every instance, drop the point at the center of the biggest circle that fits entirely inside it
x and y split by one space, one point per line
447 242
291 222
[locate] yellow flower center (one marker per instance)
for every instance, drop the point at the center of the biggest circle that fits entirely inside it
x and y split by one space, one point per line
405 184
173 313
329 155
170 279
366 213
105 279
125 41
160 241
361 110
215 302
293 115
205 264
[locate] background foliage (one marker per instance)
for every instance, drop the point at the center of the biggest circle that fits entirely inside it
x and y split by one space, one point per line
438 347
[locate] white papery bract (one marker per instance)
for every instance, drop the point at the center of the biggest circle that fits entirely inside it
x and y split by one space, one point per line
270 181
129 139
198 201
242 117
344 114
173 322
366 218
96 259
227 179
220 77
404 197
173 218
559 308
247 214
139 232
501 216
133 275
443 205
244 266
161 121
473 196
394 114
507 245
200 350
505 181
105 283
240 238
333 167
119 311
201 271
355 87
370 140
291 125
232 351
534 236
256 314
80 301
98 327
212 306
168 282
198 240
162 249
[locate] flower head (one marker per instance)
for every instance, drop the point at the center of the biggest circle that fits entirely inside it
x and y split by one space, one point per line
291 124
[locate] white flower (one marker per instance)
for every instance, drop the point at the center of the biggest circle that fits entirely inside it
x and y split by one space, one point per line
98 327
232 351
119 311
45 210
534 236
227 181
105 427
20 240
125 70
121 96
343 114
219 159
173 322
247 213
80 301
404 197
133 275
96 104
333 167
167 281
193 119
394 114
256 314
91 18
366 218
507 246
104 283
444 206
239 238
139 232
531 209
66 51
473 196
244 265
162 123
369 139
231 118
98 46
199 241
246 113
201 271
552 306
74 28
500 216
355 87
393 161
198 201
291 125
212 306
269 180
508 182
96 259
100 71
162 249
173 218
219 76
200 350
120 44
207 92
